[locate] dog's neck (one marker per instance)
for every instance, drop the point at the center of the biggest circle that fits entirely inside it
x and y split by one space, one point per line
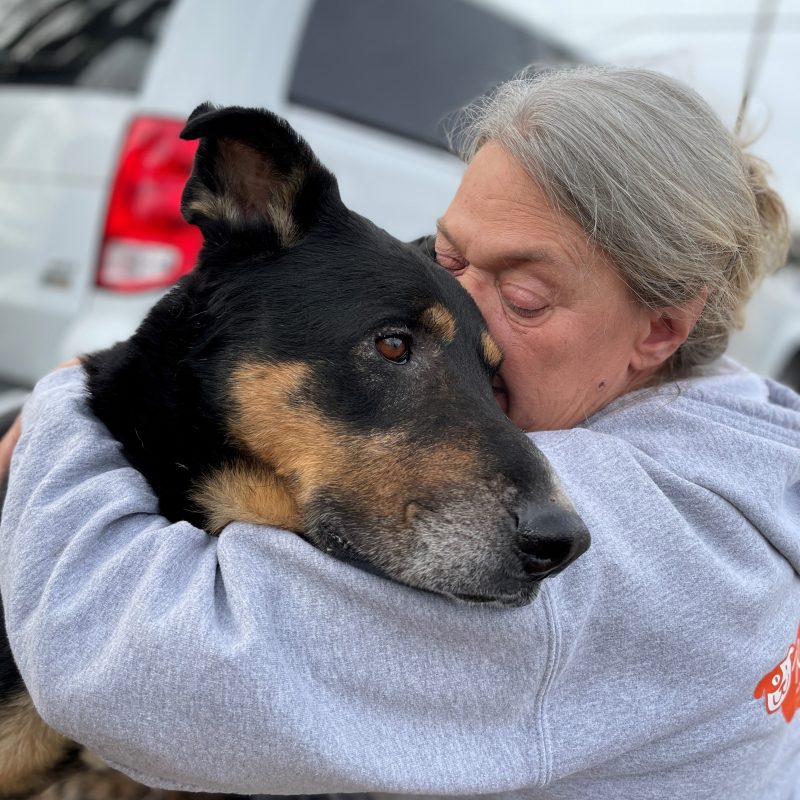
145 392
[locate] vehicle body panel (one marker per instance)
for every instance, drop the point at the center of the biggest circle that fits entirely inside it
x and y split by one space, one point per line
56 156
770 341
59 149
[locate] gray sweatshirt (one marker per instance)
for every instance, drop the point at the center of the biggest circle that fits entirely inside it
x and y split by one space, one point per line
662 664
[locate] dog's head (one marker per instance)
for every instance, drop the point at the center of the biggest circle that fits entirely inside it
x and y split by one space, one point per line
354 379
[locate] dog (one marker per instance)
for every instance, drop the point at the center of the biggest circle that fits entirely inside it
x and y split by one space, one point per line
314 373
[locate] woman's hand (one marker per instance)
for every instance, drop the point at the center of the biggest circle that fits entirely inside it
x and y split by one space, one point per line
11 436
7 444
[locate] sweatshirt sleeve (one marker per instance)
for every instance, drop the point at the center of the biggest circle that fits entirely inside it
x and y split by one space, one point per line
249 662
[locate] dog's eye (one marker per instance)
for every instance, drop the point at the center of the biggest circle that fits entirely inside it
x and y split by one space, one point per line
396 349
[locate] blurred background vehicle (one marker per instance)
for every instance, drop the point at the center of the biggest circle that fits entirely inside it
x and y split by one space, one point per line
770 341
94 92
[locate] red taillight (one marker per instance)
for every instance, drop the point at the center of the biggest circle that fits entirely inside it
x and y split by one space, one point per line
146 243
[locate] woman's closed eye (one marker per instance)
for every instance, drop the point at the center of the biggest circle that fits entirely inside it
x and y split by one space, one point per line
451 261
523 302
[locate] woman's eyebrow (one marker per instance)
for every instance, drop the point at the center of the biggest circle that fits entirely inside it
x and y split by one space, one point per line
538 255
535 255
542 256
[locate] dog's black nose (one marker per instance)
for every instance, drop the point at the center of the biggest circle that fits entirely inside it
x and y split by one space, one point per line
549 538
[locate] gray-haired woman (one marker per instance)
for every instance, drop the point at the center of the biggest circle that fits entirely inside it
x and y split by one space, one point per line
610 230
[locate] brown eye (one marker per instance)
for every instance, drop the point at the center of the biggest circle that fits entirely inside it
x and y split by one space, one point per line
393 348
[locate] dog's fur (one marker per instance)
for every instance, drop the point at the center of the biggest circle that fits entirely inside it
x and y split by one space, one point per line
314 373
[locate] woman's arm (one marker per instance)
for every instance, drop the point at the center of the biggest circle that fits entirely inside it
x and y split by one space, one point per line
250 662
254 663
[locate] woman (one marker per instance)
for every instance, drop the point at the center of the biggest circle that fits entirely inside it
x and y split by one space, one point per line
610 231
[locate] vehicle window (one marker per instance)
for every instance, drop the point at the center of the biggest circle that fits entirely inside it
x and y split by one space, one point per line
403 65
103 44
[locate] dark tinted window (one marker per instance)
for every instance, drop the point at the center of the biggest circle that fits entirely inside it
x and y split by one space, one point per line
403 65
103 44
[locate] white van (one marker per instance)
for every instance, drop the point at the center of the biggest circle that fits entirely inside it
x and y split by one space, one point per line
94 92
770 341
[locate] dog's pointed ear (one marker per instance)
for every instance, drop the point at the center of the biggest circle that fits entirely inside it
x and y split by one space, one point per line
252 173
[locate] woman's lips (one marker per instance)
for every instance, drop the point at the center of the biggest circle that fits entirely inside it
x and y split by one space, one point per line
500 393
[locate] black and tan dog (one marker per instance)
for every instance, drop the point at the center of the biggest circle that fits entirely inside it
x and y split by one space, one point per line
315 374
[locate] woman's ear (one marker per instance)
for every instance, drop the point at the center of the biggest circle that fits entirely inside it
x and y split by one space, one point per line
664 330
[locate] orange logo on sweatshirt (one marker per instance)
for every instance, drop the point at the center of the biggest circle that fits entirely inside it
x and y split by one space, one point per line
780 687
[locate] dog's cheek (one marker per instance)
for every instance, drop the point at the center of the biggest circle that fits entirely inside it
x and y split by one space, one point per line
247 492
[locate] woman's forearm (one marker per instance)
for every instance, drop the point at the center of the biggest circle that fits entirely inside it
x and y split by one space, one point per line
249 662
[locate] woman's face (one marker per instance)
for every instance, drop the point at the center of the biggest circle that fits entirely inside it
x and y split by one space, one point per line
569 328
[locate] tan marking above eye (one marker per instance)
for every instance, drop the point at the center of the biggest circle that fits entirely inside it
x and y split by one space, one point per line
491 350
393 348
439 321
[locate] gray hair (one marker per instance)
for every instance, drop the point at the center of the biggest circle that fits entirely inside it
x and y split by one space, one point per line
647 169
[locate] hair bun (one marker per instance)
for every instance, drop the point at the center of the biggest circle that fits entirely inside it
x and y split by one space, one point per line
773 216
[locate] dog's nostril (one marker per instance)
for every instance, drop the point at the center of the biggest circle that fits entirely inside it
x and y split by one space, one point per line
545 549
549 538
544 554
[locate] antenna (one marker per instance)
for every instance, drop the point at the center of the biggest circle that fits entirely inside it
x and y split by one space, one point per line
756 51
